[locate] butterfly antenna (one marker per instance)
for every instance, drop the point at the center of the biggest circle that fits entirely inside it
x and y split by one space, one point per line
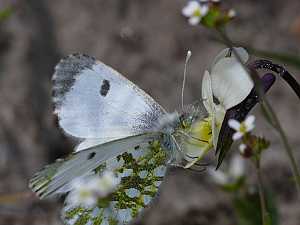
188 56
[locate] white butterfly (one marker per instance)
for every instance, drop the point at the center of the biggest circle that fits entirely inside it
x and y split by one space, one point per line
119 126
122 129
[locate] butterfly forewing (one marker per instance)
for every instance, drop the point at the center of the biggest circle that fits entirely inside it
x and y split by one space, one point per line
141 171
93 101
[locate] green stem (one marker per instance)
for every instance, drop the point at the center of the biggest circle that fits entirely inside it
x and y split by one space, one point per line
268 109
263 206
276 124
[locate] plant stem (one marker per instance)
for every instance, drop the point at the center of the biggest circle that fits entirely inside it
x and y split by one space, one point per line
287 146
262 198
268 109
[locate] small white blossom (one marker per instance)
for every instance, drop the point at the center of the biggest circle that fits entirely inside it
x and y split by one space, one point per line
219 177
237 167
242 148
241 128
235 171
86 191
106 184
231 13
195 11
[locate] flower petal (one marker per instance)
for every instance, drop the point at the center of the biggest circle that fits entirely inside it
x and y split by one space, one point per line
194 20
237 167
204 10
217 120
230 82
234 124
242 148
207 94
218 176
237 135
249 122
190 8
241 52
239 113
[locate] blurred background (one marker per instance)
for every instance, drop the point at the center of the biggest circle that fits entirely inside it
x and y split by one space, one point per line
147 42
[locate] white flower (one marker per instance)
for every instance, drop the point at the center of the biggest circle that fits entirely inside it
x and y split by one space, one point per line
241 128
231 13
195 11
242 148
106 184
86 191
229 84
235 171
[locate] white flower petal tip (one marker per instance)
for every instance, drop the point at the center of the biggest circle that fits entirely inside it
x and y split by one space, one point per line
237 167
242 148
190 8
194 20
218 176
237 135
234 124
249 123
231 13
204 10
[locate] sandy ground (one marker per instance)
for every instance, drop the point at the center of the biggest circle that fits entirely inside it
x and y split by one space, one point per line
147 42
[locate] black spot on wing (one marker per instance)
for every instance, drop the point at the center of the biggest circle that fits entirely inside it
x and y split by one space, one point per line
91 155
66 72
104 88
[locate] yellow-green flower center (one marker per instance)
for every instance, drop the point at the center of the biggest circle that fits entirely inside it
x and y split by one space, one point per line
243 128
197 13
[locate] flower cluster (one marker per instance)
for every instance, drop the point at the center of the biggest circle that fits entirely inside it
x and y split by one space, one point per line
251 145
242 130
86 191
207 12
195 10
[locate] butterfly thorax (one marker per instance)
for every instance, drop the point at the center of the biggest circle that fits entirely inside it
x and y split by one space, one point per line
177 129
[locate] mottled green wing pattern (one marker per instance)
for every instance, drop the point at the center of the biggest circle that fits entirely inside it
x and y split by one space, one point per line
141 171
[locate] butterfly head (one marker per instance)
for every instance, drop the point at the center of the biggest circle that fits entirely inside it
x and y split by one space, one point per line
189 115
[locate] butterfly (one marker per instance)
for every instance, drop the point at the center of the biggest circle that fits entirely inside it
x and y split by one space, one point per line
121 129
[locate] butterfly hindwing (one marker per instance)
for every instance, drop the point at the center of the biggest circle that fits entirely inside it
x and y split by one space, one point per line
93 101
141 171
56 178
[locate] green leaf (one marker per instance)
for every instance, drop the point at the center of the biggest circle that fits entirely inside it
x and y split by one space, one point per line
248 211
